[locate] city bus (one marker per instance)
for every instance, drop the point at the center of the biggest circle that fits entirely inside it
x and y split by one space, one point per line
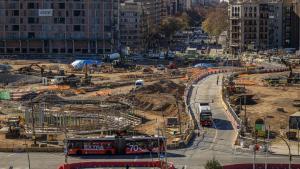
143 145
91 146
114 145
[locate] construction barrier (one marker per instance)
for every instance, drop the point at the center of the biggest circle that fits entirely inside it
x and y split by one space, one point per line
261 166
158 164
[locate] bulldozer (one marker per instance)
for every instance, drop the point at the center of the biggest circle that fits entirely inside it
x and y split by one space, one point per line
14 128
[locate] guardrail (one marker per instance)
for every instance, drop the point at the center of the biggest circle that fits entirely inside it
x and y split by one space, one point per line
32 149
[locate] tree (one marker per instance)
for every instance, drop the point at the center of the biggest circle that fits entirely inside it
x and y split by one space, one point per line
172 24
213 164
216 21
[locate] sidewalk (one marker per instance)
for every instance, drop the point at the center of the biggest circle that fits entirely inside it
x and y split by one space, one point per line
280 148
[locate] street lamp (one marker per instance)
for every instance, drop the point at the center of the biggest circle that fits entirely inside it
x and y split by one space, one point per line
268 140
290 155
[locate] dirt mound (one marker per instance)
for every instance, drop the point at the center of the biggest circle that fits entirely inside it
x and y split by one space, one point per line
163 86
16 79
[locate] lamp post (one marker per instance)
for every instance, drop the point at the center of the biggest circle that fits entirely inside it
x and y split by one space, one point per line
268 140
290 155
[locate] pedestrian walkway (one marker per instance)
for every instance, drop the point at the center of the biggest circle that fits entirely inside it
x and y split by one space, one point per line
280 148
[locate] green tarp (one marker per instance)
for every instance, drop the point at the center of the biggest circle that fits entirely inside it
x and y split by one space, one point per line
4 95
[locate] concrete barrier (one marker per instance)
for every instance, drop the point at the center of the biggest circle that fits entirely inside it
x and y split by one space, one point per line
159 164
33 149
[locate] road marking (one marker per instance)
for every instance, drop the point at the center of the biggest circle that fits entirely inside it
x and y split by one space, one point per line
11 154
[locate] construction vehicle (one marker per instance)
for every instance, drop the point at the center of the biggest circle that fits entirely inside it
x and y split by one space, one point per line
30 70
172 65
205 114
122 63
293 77
87 79
14 128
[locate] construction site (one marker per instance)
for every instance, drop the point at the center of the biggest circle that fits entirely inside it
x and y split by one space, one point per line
265 100
43 102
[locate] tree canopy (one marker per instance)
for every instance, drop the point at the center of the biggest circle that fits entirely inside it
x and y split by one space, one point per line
172 24
216 21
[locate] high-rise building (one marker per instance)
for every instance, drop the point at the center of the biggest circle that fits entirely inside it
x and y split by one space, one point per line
255 25
291 24
59 27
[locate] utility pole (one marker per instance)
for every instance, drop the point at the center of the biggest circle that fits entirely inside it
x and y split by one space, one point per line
267 146
254 150
245 116
298 134
33 123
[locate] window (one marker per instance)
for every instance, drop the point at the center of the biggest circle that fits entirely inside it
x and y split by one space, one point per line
76 13
76 28
59 20
32 20
31 34
16 13
15 28
61 5
30 5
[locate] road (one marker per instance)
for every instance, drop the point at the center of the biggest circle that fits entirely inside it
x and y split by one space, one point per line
215 142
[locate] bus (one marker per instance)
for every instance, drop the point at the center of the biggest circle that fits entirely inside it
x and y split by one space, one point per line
143 145
91 146
205 114
111 145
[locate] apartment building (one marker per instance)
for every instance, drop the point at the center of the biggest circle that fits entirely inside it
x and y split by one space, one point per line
133 25
139 19
291 24
255 25
58 26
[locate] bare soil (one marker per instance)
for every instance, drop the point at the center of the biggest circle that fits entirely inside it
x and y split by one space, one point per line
269 99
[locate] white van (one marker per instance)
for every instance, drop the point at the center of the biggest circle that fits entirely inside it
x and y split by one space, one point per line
139 83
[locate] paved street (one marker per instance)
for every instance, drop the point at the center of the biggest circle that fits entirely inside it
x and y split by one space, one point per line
215 142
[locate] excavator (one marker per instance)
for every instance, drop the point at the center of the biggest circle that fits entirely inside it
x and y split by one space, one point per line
292 76
14 128
29 69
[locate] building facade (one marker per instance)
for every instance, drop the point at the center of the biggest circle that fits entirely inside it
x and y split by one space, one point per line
133 25
255 25
139 19
59 27
291 22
